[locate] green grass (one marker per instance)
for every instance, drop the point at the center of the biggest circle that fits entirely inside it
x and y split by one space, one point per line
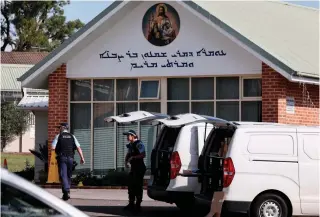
17 162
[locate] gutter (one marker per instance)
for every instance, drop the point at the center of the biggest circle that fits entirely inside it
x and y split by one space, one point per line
299 79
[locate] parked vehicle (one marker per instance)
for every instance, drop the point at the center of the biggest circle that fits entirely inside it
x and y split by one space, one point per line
20 197
266 169
177 148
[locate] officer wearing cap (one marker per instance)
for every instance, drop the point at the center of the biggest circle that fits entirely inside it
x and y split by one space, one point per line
136 154
64 145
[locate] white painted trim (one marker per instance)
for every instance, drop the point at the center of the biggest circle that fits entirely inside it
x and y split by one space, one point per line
297 79
247 48
16 65
72 44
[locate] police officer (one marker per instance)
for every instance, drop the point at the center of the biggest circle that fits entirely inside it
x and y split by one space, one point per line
64 145
136 154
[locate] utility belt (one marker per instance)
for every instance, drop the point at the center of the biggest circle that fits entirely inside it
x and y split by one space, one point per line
64 155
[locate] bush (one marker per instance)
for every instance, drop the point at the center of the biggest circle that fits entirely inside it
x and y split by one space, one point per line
27 173
114 178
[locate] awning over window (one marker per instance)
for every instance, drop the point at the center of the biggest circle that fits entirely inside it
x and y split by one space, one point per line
34 102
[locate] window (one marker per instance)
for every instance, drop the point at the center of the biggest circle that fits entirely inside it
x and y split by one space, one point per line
127 89
80 90
103 90
252 87
149 89
148 131
18 203
104 146
228 88
178 91
103 138
228 110
251 111
202 88
271 144
80 115
175 108
178 88
204 108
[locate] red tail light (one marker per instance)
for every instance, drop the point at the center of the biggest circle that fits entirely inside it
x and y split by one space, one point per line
175 163
229 172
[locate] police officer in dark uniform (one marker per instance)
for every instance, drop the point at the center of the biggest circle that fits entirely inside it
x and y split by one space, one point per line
136 154
64 145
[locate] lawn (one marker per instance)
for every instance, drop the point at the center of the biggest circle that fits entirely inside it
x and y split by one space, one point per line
17 161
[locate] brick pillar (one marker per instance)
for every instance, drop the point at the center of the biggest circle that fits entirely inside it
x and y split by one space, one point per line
58 102
273 94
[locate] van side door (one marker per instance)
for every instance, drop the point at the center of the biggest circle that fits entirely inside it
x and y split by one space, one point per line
309 160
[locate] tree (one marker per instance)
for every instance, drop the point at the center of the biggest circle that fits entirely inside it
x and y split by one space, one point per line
29 24
14 122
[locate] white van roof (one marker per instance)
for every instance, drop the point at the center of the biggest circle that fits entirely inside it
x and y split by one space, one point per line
268 125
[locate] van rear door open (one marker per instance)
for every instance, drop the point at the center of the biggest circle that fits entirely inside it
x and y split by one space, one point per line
211 172
136 116
162 153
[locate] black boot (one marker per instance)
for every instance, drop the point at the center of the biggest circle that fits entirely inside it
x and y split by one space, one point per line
138 207
129 207
66 195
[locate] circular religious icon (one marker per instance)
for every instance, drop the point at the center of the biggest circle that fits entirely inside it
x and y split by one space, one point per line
161 24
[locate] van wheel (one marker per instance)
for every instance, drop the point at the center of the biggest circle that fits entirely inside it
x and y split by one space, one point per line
269 205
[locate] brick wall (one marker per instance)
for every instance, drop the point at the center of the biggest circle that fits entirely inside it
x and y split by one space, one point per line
58 101
275 89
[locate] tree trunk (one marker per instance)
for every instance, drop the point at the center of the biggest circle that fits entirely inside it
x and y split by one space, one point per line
20 142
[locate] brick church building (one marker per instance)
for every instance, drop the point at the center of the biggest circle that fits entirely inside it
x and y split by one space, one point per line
240 61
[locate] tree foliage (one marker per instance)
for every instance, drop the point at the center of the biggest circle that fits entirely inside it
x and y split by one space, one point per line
29 24
14 122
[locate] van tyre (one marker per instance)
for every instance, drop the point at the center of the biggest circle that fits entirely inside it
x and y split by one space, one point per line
269 205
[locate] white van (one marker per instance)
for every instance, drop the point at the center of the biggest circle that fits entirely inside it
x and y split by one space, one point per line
177 148
267 169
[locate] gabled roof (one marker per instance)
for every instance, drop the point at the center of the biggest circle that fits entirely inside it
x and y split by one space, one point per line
282 35
24 58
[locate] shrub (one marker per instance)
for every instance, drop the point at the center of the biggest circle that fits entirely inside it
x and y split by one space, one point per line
27 173
113 178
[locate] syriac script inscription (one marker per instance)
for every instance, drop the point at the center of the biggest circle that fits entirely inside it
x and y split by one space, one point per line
164 60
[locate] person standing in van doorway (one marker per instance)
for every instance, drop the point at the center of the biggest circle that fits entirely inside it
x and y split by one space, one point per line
136 154
218 196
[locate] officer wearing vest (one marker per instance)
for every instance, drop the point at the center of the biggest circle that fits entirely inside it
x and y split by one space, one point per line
64 145
136 154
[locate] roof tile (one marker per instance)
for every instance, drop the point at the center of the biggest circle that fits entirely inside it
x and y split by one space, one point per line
26 58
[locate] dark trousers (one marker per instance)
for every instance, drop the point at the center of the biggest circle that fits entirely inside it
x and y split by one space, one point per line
135 187
65 171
